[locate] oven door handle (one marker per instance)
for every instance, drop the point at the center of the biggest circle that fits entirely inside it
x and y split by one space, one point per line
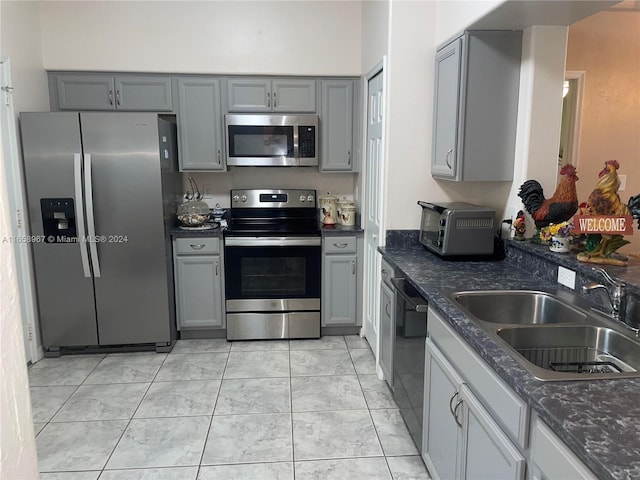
399 284
273 241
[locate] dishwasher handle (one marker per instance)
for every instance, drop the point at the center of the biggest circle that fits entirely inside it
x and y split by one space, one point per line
399 284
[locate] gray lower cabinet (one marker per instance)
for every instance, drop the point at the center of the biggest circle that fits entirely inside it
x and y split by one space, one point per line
341 281
289 95
461 439
338 129
199 277
108 92
200 130
387 324
477 79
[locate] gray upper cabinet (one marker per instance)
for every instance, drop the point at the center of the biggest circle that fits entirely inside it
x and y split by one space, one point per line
271 95
337 125
200 124
107 92
477 79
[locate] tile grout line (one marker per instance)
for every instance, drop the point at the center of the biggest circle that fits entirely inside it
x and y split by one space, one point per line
132 415
206 438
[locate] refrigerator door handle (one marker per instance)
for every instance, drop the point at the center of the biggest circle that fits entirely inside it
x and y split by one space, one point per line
91 225
82 233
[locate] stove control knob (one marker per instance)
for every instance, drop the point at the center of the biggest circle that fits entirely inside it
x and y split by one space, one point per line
236 198
310 198
302 198
243 198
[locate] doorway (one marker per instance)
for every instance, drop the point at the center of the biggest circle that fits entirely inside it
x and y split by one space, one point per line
19 221
373 201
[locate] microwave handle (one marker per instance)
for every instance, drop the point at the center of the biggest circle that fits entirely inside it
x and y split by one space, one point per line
399 284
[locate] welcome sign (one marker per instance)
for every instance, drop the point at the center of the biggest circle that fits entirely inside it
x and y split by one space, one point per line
603 224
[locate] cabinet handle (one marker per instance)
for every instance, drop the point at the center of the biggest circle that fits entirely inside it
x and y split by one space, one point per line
446 159
455 413
219 155
274 100
216 269
340 245
455 394
118 97
268 99
385 273
348 157
353 267
197 247
386 308
110 97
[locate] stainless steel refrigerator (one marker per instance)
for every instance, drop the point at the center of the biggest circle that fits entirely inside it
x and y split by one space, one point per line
102 191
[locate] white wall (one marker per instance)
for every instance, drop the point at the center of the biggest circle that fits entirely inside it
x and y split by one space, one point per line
21 42
375 33
453 16
250 37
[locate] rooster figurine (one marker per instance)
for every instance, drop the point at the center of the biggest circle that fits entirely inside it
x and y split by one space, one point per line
557 209
604 200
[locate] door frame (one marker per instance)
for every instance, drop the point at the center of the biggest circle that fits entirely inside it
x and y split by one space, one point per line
19 216
379 68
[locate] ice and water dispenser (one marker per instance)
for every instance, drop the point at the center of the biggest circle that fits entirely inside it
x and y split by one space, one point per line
58 220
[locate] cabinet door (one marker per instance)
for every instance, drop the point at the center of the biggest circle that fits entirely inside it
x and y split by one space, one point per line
339 290
249 95
336 126
200 124
551 458
387 330
199 291
293 95
85 92
143 93
488 453
442 439
446 111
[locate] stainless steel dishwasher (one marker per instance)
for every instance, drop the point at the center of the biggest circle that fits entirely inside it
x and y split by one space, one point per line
408 356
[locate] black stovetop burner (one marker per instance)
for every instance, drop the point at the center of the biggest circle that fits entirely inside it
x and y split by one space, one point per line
270 212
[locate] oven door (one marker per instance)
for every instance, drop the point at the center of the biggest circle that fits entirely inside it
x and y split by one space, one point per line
272 273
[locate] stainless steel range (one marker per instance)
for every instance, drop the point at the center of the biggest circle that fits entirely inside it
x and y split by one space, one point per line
272 265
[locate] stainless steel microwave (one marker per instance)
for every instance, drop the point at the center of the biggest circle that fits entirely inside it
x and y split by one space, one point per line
271 140
457 228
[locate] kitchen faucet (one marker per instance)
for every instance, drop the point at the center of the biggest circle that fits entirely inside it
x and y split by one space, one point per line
616 295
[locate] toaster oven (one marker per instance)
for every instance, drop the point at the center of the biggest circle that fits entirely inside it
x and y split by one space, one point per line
457 228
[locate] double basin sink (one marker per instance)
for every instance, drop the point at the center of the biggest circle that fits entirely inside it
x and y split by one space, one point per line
554 335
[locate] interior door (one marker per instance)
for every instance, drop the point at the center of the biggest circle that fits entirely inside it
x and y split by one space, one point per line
373 207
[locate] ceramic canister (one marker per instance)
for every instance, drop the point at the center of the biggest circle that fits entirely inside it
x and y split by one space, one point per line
341 203
348 214
328 210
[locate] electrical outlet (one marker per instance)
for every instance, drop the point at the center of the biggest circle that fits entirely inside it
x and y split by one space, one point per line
623 182
567 277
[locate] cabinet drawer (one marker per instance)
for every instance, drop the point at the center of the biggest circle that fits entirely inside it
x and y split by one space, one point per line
511 411
197 245
340 245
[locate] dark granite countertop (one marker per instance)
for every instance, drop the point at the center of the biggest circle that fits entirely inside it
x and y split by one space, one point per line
598 420
179 232
340 229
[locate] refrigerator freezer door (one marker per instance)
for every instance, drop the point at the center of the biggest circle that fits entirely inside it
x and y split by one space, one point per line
131 293
65 296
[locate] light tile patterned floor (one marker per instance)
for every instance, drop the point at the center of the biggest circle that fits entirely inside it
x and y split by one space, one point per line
212 409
